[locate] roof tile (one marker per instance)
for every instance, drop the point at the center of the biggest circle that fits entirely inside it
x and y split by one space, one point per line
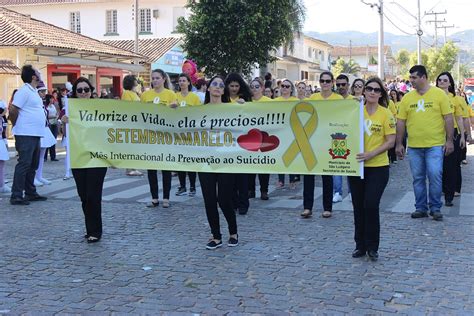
152 48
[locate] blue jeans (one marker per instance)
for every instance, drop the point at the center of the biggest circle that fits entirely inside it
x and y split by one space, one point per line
427 162
28 148
337 184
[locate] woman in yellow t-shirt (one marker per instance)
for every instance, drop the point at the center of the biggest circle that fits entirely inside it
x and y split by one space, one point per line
159 95
379 137
217 188
452 178
287 91
326 81
129 84
257 88
186 98
357 89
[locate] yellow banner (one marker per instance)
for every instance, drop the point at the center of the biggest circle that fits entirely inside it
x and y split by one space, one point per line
305 137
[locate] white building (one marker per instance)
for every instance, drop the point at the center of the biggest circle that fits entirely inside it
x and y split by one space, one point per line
105 20
308 59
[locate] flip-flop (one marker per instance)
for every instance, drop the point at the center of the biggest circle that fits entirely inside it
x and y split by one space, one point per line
327 214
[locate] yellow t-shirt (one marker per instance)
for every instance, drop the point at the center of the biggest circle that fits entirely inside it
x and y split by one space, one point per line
318 96
464 106
283 99
376 127
393 107
457 108
471 112
191 99
129 95
263 99
424 115
165 97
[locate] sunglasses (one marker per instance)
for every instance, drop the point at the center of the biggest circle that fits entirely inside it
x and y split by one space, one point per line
83 90
443 80
325 81
217 84
341 84
359 86
255 86
375 90
287 86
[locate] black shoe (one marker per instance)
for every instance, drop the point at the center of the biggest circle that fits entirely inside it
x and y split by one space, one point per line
213 244
448 203
19 201
54 159
232 242
373 255
34 198
251 194
181 191
264 196
243 211
153 204
437 216
192 191
419 214
357 253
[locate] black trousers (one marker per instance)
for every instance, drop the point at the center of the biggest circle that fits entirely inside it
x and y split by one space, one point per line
28 148
281 178
241 191
464 150
217 188
366 194
89 183
52 149
308 192
182 179
153 182
452 170
263 179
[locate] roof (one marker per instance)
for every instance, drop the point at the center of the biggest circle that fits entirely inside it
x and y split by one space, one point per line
358 50
7 67
38 2
152 48
315 40
19 30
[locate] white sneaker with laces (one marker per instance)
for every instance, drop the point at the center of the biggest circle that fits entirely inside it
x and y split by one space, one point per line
336 198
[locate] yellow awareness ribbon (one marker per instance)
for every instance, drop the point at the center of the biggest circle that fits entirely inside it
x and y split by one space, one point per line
302 135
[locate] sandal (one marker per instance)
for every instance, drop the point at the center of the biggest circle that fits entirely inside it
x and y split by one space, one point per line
292 185
307 214
327 214
166 203
280 185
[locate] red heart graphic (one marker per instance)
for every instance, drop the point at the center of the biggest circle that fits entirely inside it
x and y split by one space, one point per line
269 142
251 141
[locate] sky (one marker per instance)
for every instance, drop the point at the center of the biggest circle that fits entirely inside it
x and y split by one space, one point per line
325 16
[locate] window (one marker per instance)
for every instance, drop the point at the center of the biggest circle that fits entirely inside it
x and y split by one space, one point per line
304 75
75 22
322 55
145 20
111 22
177 13
310 52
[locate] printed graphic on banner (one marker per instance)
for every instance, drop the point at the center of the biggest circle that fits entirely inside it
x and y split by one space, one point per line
305 137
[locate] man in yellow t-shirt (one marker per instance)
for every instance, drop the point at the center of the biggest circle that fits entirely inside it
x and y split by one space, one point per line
427 115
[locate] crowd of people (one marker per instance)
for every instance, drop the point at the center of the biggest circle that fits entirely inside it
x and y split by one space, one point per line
430 124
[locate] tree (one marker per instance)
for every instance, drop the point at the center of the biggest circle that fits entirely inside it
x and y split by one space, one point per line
464 71
436 60
341 66
403 60
235 35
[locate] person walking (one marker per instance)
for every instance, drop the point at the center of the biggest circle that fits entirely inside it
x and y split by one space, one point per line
218 188
27 116
379 137
427 115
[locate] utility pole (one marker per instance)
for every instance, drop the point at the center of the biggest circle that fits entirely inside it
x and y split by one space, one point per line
436 21
379 6
446 27
350 50
136 27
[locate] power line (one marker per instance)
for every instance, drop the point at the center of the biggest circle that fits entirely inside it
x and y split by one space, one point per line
391 12
397 26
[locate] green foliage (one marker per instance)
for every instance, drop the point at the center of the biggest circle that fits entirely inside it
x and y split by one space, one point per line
234 35
341 66
372 60
464 71
436 60
403 60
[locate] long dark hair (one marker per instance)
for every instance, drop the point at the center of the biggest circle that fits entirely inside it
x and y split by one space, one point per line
383 100
78 81
397 93
190 86
164 75
244 90
225 97
451 88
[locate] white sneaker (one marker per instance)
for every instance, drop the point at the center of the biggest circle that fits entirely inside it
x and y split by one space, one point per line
336 197
45 181
38 183
5 189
